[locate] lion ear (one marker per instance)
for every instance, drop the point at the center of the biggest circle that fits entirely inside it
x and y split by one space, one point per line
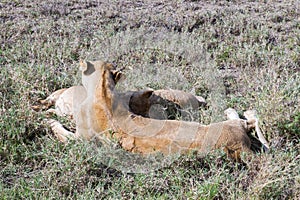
87 67
147 93
82 65
110 66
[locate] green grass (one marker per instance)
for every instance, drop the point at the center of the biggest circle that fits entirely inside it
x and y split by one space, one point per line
236 54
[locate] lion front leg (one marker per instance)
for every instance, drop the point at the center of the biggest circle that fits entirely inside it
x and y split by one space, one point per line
252 122
59 131
235 151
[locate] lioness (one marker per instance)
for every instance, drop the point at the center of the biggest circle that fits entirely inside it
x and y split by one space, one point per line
105 114
157 104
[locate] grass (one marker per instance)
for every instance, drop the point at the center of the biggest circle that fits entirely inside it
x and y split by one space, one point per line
234 53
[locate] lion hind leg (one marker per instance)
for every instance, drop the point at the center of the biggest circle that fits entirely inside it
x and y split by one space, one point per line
59 131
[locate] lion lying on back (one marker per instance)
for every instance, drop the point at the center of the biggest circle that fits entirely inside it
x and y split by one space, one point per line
104 114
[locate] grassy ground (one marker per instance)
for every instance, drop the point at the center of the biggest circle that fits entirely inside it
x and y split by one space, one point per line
236 54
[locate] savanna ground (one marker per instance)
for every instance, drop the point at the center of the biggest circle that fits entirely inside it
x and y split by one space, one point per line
236 54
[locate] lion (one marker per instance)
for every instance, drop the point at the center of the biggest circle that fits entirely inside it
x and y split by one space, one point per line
65 101
106 114
157 104
172 104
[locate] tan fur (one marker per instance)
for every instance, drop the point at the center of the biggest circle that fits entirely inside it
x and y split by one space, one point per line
183 99
67 100
171 104
145 135
105 113
49 101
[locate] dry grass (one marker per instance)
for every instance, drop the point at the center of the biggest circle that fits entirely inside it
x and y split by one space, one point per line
235 53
